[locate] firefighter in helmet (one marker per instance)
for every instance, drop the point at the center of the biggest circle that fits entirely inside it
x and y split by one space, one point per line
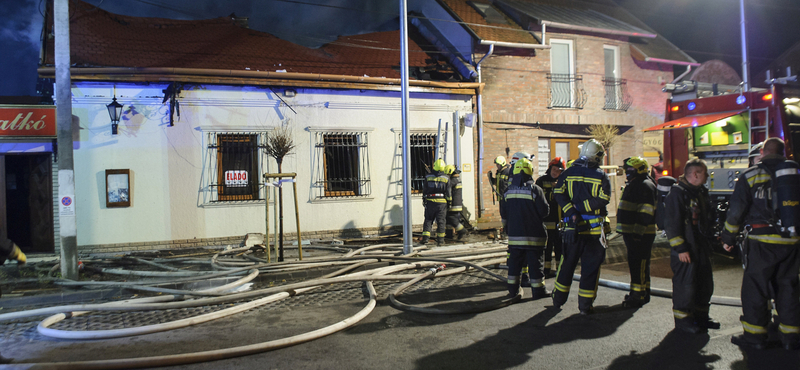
548 183
455 201
501 184
765 202
435 201
583 192
526 208
636 222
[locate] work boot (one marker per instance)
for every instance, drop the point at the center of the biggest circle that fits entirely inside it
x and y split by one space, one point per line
707 323
439 242
461 234
539 293
687 325
513 289
630 301
424 240
587 311
744 343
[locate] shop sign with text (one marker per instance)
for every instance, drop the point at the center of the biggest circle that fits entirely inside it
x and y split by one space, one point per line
28 121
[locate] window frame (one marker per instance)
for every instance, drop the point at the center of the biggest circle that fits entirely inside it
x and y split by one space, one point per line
216 193
321 181
571 67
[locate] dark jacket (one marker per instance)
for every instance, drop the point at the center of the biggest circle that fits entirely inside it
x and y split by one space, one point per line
548 183
583 190
636 211
456 199
502 181
526 208
688 221
436 188
749 205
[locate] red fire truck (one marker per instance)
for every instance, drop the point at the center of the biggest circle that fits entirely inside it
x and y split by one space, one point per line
721 129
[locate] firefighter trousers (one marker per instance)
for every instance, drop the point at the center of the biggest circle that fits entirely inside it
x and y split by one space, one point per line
434 211
553 245
518 258
454 220
776 266
591 254
692 286
639 249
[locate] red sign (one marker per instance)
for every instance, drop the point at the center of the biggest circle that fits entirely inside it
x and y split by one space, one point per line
28 120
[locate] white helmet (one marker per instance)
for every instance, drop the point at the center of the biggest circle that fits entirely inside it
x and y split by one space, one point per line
593 151
518 155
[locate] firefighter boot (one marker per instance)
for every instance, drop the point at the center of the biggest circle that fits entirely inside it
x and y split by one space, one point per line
439 242
424 240
706 322
633 301
461 234
539 293
687 325
513 289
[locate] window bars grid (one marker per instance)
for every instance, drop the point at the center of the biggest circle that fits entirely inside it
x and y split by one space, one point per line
566 91
236 162
342 164
616 96
423 151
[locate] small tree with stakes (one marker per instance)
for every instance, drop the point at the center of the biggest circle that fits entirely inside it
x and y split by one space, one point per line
279 144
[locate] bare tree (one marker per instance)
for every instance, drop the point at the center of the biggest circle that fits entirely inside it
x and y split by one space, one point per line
607 135
279 144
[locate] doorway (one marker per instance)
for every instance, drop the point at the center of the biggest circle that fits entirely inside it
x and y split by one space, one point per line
29 201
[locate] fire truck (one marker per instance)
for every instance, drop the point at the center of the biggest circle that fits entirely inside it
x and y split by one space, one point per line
721 130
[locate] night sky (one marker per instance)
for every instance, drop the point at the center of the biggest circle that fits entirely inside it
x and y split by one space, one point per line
704 29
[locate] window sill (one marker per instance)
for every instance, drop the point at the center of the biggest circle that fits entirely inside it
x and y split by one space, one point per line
341 200
234 203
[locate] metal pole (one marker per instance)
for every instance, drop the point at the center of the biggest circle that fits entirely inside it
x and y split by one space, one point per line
297 219
266 218
456 141
745 73
66 174
438 140
481 209
407 242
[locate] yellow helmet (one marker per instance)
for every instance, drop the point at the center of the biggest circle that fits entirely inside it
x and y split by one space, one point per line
637 164
438 165
569 163
449 169
500 160
593 151
523 165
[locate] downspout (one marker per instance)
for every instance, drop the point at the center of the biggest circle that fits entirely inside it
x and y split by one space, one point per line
688 69
480 132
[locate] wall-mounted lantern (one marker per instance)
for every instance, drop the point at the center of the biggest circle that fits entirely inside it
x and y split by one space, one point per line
115 112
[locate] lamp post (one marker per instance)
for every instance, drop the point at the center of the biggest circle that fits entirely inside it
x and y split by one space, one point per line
115 112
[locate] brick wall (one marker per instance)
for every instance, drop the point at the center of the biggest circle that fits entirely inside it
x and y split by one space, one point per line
516 96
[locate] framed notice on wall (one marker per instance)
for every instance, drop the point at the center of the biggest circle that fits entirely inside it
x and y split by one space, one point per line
118 188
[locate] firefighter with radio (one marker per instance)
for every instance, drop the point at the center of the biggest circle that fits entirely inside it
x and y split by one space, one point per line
526 208
766 203
636 222
435 196
548 183
689 227
455 201
583 192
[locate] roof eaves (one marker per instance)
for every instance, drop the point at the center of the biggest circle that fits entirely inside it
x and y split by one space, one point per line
689 62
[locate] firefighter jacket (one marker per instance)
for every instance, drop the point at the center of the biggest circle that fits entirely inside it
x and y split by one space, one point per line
583 191
455 198
548 183
526 209
436 188
636 212
688 221
502 180
749 205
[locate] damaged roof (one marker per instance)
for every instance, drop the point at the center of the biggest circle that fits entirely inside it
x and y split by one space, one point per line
506 30
102 39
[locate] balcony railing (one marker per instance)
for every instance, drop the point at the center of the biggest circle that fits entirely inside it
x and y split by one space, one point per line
566 91
617 97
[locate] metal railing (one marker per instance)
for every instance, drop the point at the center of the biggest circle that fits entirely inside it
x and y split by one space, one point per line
616 96
342 164
566 91
235 163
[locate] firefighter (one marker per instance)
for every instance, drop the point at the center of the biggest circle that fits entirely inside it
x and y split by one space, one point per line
636 222
10 251
455 201
582 192
435 201
501 184
755 154
547 183
526 208
525 277
689 226
771 254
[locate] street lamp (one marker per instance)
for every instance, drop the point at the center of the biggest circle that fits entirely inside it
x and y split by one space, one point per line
115 112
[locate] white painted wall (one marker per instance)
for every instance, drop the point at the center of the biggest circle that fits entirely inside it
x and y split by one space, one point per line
169 165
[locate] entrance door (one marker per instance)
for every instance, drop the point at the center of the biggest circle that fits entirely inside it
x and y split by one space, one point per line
565 148
29 201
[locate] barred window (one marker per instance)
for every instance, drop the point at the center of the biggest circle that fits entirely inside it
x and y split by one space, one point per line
342 164
423 149
236 163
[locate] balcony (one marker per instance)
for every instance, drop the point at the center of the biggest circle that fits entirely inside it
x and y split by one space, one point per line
566 91
616 96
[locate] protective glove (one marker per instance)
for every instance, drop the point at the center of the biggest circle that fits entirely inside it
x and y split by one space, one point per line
16 254
570 236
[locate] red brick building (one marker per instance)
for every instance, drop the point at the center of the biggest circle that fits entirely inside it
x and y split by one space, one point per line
554 68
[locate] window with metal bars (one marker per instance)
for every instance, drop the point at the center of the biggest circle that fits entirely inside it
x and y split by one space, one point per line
235 165
342 164
423 150
566 91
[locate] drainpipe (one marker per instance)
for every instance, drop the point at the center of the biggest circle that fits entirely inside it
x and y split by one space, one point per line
745 73
480 133
688 69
